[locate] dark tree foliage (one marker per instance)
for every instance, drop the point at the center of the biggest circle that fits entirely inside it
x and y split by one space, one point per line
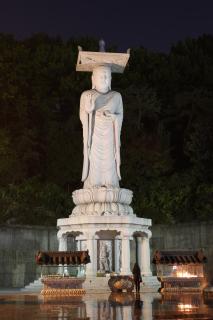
167 136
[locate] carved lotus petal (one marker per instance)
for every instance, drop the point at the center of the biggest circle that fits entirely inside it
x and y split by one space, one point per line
102 195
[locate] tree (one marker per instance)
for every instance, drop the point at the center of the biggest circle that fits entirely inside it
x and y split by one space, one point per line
167 133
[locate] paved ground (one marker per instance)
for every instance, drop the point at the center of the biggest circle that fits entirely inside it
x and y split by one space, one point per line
16 305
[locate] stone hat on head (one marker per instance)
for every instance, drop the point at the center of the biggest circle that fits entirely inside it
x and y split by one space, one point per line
88 60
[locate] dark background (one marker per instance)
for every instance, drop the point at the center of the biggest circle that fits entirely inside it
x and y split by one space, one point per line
153 24
167 134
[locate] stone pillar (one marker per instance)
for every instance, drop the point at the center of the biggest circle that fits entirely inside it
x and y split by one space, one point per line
91 242
117 254
62 242
79 240
81 246
139 251
62 246
144 256
95 254
125 254
78 245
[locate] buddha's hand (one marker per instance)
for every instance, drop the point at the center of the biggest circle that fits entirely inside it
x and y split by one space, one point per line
89 102
110 115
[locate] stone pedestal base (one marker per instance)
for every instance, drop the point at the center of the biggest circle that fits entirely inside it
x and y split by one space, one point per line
88 230
104 224
102 202
59 286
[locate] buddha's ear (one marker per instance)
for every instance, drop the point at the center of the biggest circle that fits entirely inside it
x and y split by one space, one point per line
93 83
110 81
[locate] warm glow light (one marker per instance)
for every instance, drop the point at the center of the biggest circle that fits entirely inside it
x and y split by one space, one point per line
185 274
182 273
185 307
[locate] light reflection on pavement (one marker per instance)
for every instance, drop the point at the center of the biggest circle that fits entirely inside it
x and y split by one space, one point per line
116 306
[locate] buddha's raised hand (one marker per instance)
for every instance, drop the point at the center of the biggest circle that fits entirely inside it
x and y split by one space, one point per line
89 102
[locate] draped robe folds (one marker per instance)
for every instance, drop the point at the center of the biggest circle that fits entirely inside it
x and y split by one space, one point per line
101 136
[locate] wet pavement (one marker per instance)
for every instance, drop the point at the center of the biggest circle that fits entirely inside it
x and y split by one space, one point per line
119 306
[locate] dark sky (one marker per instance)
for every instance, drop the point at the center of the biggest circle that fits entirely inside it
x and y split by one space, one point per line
154 24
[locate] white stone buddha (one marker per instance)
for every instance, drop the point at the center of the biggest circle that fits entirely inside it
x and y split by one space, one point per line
101 114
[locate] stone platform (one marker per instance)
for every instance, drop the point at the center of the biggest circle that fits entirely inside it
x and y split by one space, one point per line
88 231
104 223
99 284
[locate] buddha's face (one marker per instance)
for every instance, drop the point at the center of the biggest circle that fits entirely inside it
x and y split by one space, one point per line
101 79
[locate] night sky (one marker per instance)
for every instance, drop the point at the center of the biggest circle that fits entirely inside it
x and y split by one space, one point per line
152 24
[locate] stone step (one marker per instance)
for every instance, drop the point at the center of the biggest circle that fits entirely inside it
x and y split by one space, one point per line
151 280
34 286
96 283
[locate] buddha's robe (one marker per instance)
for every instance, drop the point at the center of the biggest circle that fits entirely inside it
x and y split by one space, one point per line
101 134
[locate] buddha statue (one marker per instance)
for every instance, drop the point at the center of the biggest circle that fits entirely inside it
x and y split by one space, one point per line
101 114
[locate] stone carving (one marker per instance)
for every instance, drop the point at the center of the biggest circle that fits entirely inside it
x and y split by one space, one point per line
101 114
102 201
102 209
102 194
101 205
105 257
101 45
87 60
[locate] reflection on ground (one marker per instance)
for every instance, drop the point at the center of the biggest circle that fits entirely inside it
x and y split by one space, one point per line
116 306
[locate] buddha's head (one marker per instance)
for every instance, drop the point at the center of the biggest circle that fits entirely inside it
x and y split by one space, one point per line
101 79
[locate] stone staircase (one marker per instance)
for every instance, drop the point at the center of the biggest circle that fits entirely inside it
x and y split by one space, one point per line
35 286
150 284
